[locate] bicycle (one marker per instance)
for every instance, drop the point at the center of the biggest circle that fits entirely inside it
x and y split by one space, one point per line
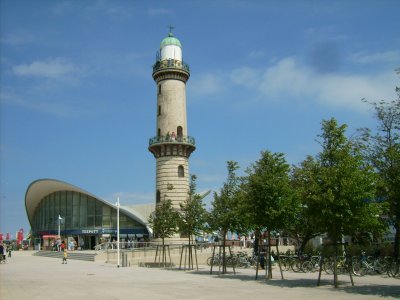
368 265
311 265
344 265
393 269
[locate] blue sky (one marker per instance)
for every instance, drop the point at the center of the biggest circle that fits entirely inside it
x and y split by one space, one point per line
78 102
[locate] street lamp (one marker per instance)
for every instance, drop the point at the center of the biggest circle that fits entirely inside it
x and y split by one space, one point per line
59 226
117 232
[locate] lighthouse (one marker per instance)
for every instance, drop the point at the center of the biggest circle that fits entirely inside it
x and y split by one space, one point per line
171 146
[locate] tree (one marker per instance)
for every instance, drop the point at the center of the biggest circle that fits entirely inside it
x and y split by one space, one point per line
383 151
346 185
192 216
223 216
304 181
267 198
164 221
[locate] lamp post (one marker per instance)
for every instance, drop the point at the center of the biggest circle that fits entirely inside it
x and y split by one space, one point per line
117 232
59 226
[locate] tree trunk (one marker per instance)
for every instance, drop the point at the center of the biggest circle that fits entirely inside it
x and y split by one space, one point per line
223 253
396 250
279 257
269 256
335 270
304 243
256 249
190 259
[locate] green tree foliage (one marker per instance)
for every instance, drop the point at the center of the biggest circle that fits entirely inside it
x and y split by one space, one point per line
223 216
192 213
266 200
383 151
345 187
164 221
343 200
304 179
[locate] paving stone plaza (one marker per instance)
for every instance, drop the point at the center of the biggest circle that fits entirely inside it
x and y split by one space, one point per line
25 276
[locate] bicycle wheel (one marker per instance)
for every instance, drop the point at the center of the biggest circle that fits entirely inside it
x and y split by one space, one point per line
307 267
296 265
393 269
328 266
379 266
213 260
285 263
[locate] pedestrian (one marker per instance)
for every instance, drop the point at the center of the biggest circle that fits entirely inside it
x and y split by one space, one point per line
65 255
2 253
63 248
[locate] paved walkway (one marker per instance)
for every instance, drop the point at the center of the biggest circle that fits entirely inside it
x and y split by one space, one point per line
30 277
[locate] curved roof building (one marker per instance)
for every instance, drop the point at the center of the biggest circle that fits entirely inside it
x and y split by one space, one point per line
53 206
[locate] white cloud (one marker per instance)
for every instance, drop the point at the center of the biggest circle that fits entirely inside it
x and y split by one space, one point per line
380 57
288 80
159 11
17 39
256 54
56 108
51 100
286 77
245 76
206 84
52 68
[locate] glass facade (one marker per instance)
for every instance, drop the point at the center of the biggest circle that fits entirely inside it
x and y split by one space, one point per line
81 214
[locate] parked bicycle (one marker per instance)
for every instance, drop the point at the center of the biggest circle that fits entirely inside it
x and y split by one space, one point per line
393 267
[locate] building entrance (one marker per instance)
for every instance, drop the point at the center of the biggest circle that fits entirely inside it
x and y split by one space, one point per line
90 241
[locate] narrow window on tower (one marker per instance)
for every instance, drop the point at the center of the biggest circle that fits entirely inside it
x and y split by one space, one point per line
181 171
158 132
179 131
158 197
159 89
159 110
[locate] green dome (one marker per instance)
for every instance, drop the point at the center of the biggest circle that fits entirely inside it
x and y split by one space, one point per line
170 40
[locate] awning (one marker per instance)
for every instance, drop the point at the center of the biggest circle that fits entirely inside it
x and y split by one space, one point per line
50 236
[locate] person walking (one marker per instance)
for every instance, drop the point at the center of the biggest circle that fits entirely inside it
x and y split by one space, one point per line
9 249
65 255
2 253
62 247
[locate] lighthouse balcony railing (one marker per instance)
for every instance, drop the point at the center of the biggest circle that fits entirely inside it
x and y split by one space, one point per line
171 139
170 63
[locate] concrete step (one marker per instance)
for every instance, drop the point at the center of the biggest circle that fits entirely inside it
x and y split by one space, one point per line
77 255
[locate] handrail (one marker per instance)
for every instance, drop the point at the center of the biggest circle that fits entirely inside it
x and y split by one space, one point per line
122 245
170 64
140 245
170 139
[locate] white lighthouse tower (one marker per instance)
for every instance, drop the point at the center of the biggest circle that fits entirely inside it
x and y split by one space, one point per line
172 145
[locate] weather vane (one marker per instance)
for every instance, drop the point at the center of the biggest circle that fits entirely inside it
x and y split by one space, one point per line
171 28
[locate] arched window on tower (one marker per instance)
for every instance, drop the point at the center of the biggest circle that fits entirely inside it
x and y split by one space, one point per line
158 197
179 132
158 132
181 171
159 110
159 89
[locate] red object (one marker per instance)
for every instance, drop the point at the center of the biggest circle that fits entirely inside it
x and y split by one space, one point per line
20 236
1 236
49 236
